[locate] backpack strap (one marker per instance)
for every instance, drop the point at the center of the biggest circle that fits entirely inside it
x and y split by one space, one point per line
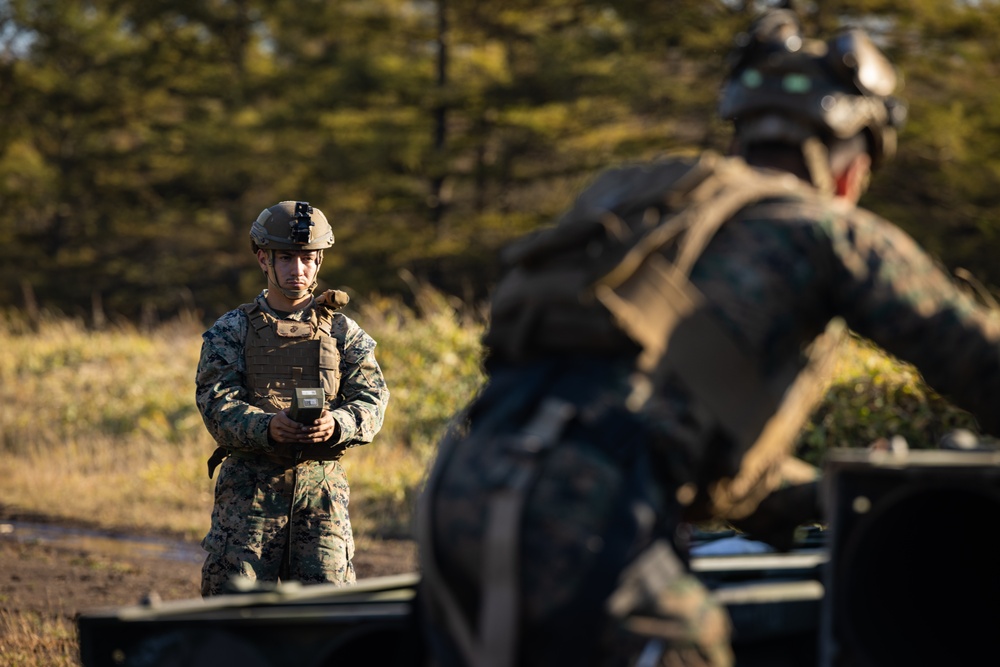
500 606
683 339
441 605
680 320
495 641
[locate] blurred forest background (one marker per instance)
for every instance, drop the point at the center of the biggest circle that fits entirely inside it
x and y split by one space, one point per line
140 138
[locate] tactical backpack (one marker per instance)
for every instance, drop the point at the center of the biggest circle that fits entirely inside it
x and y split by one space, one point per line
611 278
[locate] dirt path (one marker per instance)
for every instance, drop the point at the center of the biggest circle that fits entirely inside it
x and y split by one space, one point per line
54 581
64 580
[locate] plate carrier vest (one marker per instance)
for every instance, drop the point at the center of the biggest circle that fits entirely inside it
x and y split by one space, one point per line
284 354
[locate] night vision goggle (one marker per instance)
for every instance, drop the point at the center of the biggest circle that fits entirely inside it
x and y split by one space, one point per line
839 87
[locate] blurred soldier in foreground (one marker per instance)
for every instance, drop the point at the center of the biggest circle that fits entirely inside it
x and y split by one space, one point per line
653 355
281 498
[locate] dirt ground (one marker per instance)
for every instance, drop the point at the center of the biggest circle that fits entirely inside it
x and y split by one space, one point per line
56 580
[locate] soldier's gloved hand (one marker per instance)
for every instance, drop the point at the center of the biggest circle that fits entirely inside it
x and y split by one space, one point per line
779 514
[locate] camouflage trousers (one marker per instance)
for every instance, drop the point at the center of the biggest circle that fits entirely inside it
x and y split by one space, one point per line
251 537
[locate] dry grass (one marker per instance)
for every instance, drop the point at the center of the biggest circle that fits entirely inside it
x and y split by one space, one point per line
34 640
102 426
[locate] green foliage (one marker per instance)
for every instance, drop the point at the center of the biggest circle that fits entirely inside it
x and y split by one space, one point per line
141 138
431 358
874 396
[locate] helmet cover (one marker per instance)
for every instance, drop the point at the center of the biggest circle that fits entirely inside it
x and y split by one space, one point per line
291 225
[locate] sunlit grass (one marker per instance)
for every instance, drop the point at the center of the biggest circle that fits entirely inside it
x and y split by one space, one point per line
30 639
102 426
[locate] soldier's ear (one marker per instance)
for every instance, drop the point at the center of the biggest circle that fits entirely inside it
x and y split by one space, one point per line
853 181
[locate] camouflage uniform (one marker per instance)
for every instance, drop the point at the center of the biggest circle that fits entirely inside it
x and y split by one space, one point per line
775 276
599 568
254 494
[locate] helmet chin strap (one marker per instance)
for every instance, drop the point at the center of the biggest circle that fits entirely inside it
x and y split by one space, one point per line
817 159
294 295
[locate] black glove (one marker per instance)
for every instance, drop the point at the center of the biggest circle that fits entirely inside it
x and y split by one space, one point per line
779 514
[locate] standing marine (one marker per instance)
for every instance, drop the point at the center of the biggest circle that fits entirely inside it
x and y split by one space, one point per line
281 498
652 356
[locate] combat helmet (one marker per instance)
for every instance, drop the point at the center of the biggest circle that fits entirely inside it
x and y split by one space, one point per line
290 225
783 87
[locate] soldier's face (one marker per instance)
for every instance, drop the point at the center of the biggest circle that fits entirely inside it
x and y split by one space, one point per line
295 269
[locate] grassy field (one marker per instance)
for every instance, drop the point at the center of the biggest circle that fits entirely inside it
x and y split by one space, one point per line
101 426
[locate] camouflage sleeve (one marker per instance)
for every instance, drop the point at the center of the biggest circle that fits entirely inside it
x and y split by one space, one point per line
221 392
363 393
894 293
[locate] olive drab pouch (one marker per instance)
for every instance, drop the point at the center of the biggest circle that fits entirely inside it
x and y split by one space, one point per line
329 365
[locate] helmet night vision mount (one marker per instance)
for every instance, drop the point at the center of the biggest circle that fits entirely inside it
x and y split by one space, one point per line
290 225
785 88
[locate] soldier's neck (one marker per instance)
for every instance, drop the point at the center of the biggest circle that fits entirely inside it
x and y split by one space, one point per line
282 304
